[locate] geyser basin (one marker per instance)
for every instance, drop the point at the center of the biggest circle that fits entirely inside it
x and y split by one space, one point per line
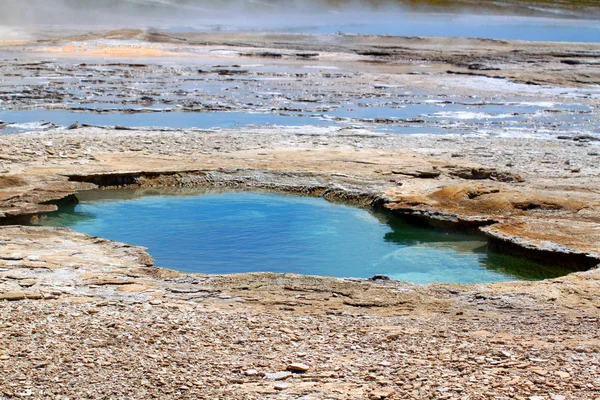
235 232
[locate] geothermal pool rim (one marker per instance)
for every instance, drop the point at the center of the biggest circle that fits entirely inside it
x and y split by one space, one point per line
268 181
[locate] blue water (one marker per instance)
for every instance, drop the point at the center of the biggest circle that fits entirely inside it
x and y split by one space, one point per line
404 118
175 120
120 107
503 27
426 110
472 26
247 232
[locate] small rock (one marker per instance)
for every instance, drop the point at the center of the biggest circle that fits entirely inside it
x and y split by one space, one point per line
16 296
539 371
251 372
580 349
562 374
27 282
281 386
278 376
4 357
298 367
155 302
506 354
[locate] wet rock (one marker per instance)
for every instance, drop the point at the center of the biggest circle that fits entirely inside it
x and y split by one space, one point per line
379 277
569 61
307 55
374 53
231 71
586 138
266 54
482 67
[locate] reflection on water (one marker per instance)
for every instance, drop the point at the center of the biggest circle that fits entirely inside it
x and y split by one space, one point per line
403 117
237 232
24 120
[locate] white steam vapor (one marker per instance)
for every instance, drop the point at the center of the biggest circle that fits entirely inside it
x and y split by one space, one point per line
136 12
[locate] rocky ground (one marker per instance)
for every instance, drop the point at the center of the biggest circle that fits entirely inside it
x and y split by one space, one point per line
194 350
83 317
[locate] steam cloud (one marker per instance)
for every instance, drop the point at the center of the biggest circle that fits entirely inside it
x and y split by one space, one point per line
146 12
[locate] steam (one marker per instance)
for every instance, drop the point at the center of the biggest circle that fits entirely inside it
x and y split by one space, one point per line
146 12
246 15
